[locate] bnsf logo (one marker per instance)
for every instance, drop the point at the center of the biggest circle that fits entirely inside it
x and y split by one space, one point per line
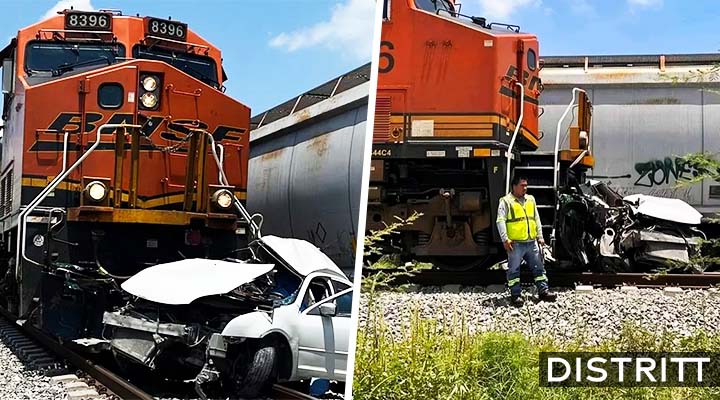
176 131
535 83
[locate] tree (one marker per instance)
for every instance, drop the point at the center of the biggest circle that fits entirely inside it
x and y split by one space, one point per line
708 167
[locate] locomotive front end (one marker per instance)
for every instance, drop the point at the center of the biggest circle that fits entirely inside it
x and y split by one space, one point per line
121 151
456 95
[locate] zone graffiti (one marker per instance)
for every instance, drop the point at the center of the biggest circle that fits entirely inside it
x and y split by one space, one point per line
658 172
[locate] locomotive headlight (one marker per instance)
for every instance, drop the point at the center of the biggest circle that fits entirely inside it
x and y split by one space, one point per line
223 198
150 83
149 100
149 91
96 191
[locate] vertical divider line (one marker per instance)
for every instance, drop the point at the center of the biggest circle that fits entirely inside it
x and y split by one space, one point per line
362 215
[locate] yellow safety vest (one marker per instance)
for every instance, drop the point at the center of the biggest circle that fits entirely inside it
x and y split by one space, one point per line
521 225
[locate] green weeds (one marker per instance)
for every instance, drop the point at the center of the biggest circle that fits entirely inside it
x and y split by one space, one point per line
448 361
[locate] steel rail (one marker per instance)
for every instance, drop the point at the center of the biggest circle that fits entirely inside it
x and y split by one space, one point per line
559 279
107 378
280 392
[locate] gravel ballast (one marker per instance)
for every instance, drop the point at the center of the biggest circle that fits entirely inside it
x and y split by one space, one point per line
581 317
16 382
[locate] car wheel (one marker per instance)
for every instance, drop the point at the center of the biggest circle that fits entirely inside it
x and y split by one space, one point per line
260 373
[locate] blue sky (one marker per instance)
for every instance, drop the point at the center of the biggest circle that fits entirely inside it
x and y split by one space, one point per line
587 27
273 50
277 49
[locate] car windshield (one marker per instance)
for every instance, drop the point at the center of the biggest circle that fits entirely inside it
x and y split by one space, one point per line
43 56
199 67
435 5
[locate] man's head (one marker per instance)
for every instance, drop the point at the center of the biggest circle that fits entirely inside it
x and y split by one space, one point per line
519 185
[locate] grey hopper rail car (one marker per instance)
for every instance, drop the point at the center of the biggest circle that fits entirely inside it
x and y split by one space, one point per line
642 122
305 173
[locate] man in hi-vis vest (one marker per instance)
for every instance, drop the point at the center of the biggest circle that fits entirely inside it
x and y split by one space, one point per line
520 230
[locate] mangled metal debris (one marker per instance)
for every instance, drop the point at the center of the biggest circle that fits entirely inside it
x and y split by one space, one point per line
664 208
301 256
184 281
599 228
236 326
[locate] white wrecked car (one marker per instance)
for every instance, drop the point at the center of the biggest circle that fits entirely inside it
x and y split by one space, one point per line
238 326
597 227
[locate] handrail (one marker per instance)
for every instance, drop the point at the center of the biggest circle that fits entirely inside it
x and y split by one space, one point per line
254 228
23 214
567 131
51 186
577 160
556 167
514 136
222 159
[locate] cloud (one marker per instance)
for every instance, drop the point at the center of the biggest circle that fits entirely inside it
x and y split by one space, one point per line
505 8
349 31
645 3
84 5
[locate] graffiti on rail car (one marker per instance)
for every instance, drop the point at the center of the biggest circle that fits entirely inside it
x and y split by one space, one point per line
662 172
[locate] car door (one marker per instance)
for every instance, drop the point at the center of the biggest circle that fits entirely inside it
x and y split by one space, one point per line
341 323
315 332
323 346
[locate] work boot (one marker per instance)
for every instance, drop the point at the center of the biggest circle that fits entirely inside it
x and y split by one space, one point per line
516 301
547 296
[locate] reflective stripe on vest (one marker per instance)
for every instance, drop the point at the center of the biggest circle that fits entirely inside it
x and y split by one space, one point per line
521 225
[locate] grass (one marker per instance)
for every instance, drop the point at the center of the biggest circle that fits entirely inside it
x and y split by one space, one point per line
446 361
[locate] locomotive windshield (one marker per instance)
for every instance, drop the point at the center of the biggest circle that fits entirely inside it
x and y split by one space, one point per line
435 5
61 57
199 67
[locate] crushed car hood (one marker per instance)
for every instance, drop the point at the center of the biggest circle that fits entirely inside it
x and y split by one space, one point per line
301 255
182 282
668 209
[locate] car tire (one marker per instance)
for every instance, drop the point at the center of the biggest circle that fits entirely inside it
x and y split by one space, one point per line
260 375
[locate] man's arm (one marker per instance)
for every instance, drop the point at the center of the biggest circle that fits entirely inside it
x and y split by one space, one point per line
501 215
538 223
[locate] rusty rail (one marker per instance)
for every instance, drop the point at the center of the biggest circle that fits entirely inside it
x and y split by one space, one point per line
562 279
280 392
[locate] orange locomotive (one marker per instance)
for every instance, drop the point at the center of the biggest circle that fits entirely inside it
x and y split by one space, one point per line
116 137
452 91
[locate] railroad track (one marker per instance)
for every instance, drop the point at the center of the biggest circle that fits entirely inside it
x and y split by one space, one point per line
560 279
109 380
280 392
41 351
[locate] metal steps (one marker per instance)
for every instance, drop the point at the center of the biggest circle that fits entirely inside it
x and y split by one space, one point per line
537 168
